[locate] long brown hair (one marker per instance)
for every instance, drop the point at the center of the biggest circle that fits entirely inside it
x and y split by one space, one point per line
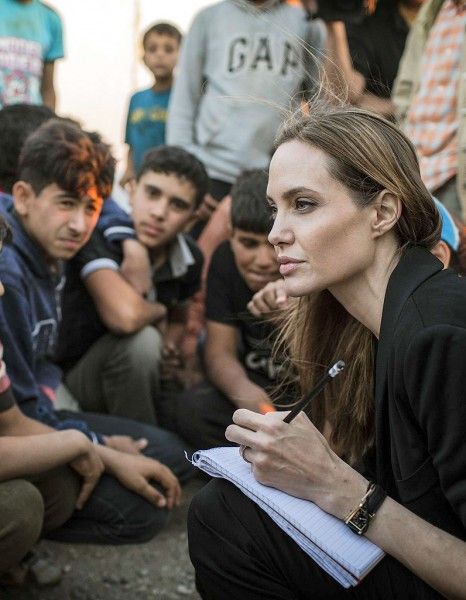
367 154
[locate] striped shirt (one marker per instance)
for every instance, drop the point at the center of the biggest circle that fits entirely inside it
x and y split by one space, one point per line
432 120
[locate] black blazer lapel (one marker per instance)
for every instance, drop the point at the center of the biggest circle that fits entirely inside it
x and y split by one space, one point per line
415 266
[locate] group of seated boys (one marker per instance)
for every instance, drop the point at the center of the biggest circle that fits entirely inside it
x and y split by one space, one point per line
93 432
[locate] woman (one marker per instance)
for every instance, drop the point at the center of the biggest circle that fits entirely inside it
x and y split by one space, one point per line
353 226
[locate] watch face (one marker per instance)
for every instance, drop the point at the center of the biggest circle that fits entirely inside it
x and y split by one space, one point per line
359 522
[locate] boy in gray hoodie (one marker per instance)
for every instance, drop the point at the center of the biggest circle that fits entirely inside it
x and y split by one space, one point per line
242 62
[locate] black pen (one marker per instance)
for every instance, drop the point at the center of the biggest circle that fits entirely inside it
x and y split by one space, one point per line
309 397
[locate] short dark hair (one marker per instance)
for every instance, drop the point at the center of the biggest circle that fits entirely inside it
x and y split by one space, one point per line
249 209
60 152
162 29
17 122
173 160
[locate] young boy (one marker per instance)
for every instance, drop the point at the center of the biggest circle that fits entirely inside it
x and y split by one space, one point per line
112 339
63 176
147 113
31 40
237 348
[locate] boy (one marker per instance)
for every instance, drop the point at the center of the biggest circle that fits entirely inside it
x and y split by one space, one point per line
112 339
36 495
147 113
63 176
31 40
17 122
237 347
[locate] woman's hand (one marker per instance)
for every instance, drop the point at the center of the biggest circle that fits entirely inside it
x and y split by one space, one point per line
136 472
296 458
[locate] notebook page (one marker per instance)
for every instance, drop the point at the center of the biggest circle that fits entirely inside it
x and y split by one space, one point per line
348 555
214 469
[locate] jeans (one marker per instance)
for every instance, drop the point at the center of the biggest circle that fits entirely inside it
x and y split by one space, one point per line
113 514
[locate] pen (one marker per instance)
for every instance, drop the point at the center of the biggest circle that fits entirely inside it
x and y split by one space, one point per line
331 373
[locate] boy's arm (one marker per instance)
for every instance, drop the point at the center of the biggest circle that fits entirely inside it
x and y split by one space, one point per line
130 173
33 454
20 357
117 227
54 52
225 370
187 89
47 87
115 223
119 306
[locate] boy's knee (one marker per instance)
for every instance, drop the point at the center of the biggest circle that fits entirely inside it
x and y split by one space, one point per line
60 490
21 519
142 524
144 347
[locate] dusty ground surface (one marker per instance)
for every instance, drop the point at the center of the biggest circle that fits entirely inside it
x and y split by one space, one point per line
160 569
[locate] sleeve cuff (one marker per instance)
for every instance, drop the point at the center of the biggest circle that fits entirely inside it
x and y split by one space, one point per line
97 265
119 233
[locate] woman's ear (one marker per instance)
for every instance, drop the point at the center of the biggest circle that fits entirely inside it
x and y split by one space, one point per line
23 195
387 211
442 251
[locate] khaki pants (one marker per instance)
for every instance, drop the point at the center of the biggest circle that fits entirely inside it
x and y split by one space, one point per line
29 509
119 375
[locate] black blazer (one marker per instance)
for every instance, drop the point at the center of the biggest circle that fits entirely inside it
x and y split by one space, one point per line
420 391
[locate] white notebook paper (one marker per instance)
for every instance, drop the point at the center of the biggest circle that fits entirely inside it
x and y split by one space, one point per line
327 540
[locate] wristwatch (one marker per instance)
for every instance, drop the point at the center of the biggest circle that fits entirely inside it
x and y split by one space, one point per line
359 519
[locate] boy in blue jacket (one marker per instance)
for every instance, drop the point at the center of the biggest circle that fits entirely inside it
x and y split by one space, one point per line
63 176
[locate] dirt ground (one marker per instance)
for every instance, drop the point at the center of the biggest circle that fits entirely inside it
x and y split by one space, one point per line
160 569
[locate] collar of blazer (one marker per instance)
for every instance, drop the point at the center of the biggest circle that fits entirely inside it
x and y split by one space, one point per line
416 265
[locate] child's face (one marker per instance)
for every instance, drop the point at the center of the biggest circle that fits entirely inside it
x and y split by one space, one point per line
162 204
255 258
161 54
58 222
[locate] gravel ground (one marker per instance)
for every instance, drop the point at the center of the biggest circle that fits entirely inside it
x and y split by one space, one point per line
159 569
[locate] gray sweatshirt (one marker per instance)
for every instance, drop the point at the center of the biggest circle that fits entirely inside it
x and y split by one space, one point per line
240 66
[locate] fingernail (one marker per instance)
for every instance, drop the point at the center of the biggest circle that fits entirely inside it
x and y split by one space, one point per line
161 502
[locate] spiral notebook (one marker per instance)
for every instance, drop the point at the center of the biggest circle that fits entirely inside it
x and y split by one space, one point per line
327 540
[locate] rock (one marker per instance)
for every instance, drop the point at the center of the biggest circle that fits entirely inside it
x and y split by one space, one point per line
184 590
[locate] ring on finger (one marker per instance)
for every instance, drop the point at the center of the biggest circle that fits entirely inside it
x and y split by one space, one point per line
242 450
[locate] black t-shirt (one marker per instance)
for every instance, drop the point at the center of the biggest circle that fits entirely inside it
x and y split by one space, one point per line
227 300
376 45
81 325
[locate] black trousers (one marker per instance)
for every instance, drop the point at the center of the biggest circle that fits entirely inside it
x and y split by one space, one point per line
240 553
201 414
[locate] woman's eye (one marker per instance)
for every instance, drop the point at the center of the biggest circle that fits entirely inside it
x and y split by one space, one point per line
272 211
303 204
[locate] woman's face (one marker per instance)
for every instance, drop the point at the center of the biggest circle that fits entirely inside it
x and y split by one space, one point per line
322 239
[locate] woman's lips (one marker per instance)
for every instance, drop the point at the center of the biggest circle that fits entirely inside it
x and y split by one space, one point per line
289 267
288 264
